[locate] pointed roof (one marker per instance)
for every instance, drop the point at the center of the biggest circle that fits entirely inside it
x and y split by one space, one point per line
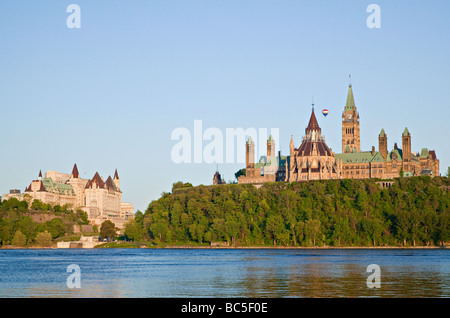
350 105
95 180
270 138
250 140
40 173
292 142
312 125
116 175
406 132
41 187
382 133
75 173
110 184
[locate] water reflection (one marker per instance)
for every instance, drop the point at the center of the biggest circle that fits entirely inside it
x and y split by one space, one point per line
225 273
321 279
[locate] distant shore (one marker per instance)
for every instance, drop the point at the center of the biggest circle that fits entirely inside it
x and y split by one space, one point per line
148 245
303 247
246 247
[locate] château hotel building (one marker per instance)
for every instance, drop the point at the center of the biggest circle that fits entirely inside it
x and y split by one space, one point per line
102 200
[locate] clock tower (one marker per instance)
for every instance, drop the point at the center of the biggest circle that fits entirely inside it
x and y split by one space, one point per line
350 125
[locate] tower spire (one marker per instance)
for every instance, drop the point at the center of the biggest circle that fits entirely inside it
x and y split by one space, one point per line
75 173
350 105
313 124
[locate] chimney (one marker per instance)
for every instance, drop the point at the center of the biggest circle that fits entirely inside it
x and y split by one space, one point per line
373 150
395 146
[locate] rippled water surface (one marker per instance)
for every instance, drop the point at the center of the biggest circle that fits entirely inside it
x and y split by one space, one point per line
225 273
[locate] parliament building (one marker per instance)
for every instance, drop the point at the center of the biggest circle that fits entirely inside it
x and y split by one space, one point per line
314 160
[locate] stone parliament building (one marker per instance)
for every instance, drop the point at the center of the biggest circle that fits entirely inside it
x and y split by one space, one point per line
314 160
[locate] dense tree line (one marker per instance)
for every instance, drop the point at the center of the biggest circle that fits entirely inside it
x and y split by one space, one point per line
414 211
18 228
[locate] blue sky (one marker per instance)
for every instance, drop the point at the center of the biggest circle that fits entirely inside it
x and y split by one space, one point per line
109 95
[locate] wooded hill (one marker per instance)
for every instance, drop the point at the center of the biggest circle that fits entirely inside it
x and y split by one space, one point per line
414 211
36 224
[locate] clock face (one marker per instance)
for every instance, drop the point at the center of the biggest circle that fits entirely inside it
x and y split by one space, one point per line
349 116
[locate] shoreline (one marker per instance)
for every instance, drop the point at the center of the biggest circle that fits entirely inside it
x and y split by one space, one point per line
303 247
243 247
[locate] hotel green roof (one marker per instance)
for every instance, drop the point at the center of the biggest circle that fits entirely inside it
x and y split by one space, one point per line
62 188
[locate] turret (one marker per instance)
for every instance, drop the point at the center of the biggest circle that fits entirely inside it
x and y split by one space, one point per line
406 145
270 147
382 144
250 154
116 180
75 173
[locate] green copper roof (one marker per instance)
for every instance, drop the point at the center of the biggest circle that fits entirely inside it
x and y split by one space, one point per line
377 158
424 153
355 157
250 140
406 132
395 153
382 133
62 188
350 105
270 138
271 162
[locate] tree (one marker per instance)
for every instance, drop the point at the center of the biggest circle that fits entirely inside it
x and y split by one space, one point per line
342 232
19 239
239 173
6 230
181 185
36 205
312 230
276 229
44 239
159 229
82 217
27 227
108 230
133 231
56 227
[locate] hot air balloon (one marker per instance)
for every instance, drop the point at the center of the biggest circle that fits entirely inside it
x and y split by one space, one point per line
325 112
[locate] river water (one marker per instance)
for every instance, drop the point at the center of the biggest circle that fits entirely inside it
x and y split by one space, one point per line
224 273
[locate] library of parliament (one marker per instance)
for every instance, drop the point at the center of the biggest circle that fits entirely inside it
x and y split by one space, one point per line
314 160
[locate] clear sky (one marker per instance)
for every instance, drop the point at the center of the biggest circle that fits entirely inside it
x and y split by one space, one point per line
109 94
